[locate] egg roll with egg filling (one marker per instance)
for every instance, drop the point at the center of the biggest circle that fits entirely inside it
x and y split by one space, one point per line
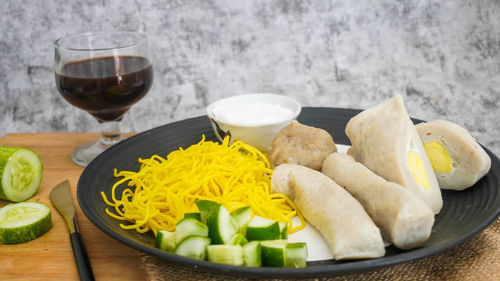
346 227
403 218
456 158
385 140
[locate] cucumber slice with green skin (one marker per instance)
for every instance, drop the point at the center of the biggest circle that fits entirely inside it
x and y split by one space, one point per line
205 206
194 247
196 216
20 173
296 255
24 221
252 254
242 216
165 240
226 254
283 230
221 226
274 253
237 239
260 228
189 226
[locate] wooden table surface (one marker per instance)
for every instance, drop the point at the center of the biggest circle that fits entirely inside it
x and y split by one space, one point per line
50 256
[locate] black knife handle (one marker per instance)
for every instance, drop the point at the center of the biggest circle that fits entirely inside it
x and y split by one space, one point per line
81 257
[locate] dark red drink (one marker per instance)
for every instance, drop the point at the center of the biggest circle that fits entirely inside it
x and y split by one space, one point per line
105 87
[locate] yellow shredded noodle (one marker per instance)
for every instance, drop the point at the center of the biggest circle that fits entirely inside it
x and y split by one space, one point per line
234 175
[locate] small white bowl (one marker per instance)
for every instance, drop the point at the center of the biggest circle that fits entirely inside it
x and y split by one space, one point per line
259 129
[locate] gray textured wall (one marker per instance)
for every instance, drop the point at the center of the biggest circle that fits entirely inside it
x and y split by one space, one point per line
442 56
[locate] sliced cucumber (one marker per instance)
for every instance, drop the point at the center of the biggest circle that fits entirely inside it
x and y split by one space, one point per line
221 226
205 206
196 216
237 239
260 228
274 253
22 222
189 226
194 247
226 254
283 230
242 216
296 255
165 240
20 173
252 254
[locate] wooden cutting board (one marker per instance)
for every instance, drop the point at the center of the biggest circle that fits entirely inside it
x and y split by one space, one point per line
50 257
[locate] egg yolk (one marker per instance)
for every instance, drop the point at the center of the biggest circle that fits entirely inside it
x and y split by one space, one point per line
439 157
418 170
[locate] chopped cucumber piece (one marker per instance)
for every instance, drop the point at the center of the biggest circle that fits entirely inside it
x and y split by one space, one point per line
165 240
242 216
237 239
221 226
194 247
226 254
252 254
260 228
189 226
283 230
274 253
205 206
196 216
20 173
296 255
22 222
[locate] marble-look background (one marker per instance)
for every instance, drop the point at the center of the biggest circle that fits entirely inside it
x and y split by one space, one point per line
442 56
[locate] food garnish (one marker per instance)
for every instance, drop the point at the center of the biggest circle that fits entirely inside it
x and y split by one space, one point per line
235 176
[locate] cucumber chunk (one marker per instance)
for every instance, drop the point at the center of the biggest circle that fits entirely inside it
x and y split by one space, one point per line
221 226
22 222
226 254
20 173
237 239
165 240
242 216
274 253
193 215
252 254
283 230
194 247
260 228
296 255
205 206
189 226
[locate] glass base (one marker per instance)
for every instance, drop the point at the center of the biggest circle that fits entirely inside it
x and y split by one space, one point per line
84 154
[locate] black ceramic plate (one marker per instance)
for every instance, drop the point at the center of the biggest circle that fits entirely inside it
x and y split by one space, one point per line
464 213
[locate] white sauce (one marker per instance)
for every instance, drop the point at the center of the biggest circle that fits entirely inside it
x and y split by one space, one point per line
251 114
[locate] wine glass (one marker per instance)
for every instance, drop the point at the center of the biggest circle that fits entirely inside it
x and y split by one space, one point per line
103 73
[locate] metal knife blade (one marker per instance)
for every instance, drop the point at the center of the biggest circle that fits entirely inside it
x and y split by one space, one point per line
60 196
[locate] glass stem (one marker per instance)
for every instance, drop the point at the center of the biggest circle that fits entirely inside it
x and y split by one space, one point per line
110 133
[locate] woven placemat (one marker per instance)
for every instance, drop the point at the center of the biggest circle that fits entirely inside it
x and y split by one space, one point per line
476 259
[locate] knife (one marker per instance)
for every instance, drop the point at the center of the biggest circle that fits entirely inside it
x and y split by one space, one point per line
60 196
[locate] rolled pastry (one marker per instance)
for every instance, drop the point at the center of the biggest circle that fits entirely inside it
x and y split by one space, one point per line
403 218
457 159
385 140
347 228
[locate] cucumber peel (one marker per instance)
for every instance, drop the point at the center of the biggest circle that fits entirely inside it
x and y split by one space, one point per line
20 173
23 222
